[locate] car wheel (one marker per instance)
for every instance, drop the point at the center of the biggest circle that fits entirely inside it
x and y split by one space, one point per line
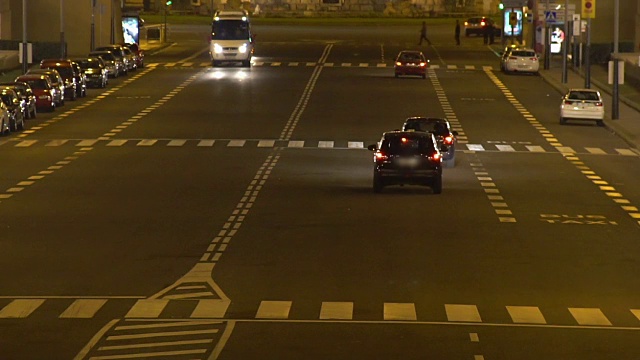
246 63
599 122
437 185
377 184
562 120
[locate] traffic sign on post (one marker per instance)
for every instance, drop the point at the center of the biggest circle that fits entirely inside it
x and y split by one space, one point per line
589 9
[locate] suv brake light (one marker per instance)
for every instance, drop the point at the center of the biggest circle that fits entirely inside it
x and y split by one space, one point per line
599 103
448 140
436 157
567 102
381 156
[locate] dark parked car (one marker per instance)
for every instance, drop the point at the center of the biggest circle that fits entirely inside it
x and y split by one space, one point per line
441 130
95 71
118 52
113 65
15 107
478 25
68 74
407 157
56 82
135 49
26 95
81 79
42 89
411 63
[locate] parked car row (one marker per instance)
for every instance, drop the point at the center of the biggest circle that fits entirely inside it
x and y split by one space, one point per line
57 80
414 155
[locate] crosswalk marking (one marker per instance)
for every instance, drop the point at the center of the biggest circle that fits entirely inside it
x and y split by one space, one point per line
565 149
589 316
505 148
266 143
273 310
597 151
526 315
475 147
147 142
83 308
20 308
236 143
26 143
210 308
296 144
147 308
535 148
355 145
56 142
325 144
336 311
152 345
86 143
626 152
636 313
117 142
400 311
206 142
177 142
462 313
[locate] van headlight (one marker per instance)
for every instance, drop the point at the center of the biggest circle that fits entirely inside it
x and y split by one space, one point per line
217 48
243 48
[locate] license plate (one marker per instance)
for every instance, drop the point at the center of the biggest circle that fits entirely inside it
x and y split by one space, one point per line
407 162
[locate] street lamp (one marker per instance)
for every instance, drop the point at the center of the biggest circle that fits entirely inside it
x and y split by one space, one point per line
62 45
25 58
166 9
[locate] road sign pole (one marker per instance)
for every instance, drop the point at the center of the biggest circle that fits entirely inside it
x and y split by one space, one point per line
615 107
547 42
566 41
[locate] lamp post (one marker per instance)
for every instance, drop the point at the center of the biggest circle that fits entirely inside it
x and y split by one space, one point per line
565 43
92 45
63 48
25 58
615 107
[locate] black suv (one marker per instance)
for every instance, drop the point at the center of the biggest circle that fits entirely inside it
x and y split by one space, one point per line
441 130
407 157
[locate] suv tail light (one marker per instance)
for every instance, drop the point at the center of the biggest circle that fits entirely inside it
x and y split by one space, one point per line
568 102
380 156
423 64
599 103
436 157
398 63
448 140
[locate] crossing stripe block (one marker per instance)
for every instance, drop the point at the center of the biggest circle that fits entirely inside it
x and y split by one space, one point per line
83 308
589 316
206 142
462 313
400 311
266 143
336 311
296 144
20 308
177 142
526 315
325 144
236 143
273 310
210 308
147 308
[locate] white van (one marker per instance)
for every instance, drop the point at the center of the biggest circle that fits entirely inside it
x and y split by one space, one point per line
231 38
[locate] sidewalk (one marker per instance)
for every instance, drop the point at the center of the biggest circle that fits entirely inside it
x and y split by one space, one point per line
628 124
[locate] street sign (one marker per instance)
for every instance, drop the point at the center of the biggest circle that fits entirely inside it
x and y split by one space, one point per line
557 8
576 25
551 17
589 9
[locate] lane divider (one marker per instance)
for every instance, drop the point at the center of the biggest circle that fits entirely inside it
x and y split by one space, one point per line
497 201
568 153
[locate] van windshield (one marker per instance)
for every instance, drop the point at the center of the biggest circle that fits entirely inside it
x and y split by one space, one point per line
230 30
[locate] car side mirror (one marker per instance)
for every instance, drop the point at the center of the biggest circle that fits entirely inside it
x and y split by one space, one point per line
455 133
372 147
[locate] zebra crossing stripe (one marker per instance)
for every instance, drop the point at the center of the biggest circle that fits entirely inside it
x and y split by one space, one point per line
296 144
274 310
86 143
462 313
325 144
236 143
526 315
26 143
400 311
147 308
116 142
266 143
336 311
505 148
475 147
206 142
147 142
626 152
535 148
210 308
56 142
20 308
177 142
83 308
355 145
589 316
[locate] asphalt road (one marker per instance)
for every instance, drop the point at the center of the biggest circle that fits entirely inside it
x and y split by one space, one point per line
187 212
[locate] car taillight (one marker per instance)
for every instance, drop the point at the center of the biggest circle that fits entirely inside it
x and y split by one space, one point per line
513 58
533 59
567 102
423 64
598 103
482 23
380 156
448 140
398 63
436 157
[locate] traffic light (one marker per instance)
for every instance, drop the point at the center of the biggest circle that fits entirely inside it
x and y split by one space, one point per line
501 6
169 2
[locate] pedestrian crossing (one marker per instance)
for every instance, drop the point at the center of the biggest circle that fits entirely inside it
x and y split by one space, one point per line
294 144
295 64
163 309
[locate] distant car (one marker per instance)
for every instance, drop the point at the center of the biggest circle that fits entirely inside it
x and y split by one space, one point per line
132 63
67 72
15 107
407 157
114 66
478 25
5 119
582 104
520 60
95 71
411 63
138 52
81 79
441 130
42 89
57 83
118 52
26 95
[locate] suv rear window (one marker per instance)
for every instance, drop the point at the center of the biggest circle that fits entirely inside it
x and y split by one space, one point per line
435 127
404 145
410 57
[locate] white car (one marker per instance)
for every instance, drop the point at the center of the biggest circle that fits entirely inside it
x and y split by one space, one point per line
521 60
582 104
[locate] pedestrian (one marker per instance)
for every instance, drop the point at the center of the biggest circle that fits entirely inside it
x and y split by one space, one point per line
457 33
423 33
492 32
485 33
